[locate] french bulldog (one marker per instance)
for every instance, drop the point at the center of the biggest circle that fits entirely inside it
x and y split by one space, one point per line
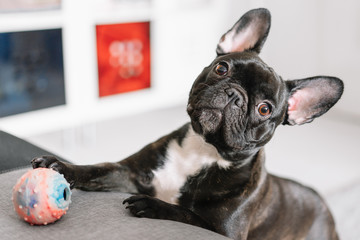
210 172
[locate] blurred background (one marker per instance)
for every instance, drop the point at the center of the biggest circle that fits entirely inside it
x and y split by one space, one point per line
95 80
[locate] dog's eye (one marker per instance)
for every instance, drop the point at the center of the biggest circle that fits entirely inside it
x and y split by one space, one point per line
264 109
221 68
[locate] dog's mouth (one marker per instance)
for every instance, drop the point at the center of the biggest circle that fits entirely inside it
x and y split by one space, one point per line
205 120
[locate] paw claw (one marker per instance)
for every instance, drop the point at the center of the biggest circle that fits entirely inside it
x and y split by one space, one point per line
133 199
141 213
54 166
129 206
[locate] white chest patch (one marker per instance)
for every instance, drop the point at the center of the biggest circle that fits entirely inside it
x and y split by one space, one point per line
182 162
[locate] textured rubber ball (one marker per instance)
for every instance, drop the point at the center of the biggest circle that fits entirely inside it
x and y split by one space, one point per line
41 196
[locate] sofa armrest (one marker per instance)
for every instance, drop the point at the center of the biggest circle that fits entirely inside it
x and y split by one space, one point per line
17 153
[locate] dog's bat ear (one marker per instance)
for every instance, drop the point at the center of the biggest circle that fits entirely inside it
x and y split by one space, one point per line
311 97
249 33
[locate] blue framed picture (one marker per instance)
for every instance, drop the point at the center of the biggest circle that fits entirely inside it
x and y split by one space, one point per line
31 71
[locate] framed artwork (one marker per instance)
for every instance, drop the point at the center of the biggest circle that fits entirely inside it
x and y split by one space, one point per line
28 5
31 71
123 54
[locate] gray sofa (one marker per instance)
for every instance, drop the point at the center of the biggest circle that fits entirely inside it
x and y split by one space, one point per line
92 215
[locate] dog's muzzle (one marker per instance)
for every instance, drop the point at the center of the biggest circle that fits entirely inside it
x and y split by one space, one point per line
208 115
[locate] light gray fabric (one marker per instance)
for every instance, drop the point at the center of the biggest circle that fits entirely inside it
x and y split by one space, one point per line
97 215
92 215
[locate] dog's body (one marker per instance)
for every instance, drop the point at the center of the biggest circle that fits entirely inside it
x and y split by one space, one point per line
210 172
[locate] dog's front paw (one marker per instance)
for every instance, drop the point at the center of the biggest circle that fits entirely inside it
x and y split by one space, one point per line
54 164
145 206
149 207
48 162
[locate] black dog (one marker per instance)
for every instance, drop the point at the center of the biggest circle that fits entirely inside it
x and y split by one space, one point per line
210 172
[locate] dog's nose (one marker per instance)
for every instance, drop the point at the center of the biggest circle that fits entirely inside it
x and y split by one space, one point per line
230 92
234 96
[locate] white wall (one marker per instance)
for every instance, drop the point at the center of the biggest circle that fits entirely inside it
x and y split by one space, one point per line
307 38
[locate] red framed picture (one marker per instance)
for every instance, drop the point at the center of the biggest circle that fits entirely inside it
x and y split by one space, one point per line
123 54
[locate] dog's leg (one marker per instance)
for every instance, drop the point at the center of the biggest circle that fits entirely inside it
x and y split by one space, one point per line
132 175
150 207
99 177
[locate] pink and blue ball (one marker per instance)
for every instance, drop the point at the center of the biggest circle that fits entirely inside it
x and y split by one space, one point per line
41 196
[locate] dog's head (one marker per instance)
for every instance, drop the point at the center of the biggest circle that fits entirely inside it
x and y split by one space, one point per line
237 101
